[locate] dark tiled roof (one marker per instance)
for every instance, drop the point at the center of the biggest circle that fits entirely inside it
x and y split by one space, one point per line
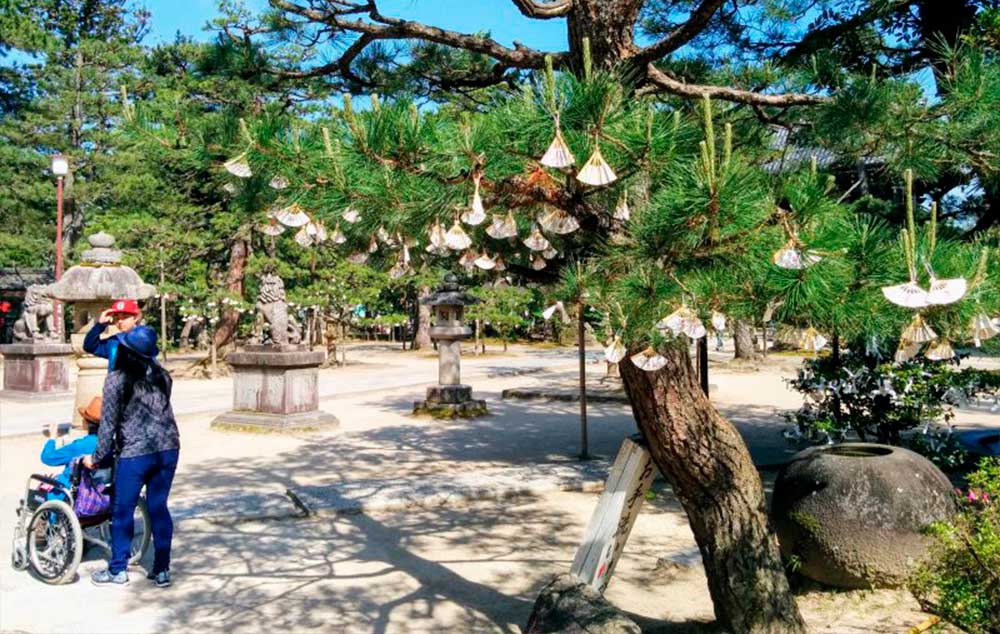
20 278
796 156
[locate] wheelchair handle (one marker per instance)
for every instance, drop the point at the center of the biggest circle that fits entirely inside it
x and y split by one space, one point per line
47 480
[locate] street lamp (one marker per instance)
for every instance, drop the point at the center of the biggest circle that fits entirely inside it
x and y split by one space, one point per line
60 167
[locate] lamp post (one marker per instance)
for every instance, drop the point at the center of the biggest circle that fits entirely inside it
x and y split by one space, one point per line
60 167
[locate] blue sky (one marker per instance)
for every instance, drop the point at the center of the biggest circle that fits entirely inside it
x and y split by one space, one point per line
500 17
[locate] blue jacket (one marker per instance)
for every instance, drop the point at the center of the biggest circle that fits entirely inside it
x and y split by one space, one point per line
54 457
98 347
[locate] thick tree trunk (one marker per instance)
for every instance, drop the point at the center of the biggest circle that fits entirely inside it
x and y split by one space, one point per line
709 468
609 26
422 340
239 251
743 340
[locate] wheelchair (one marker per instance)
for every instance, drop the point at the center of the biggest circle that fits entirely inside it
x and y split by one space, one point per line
49 537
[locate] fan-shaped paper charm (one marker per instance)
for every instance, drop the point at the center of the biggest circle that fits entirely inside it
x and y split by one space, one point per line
622 212
940 350
906 351
791 257
436 235
908 295
229 189
238 166
383 235
718 321
476 213
372 245
615 351
485 262
302 236
278 182
982 328
549 253
350 215
918 331
338 236
558 155
811 340
456 239
292 216
649 360
272 228
558 221
596 170
538 263
468 259
319 231
536 241
358 257
501 265
942 292
397 271
683 321
501 229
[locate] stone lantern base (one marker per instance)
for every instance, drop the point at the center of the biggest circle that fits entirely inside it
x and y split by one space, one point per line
274 390
450 401
35 370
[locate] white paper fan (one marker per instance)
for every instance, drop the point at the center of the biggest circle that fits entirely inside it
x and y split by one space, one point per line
303 238
372 244
485 262
238 166
549 253
596 171
538 263
350 215
476 213
536 241
981 328
456 239
319 231
501 265
622 212
278 182
468 259
272 228
942 292
615 351
292 216
338 236
791 257
908 295
917 331
558 155
358 257
940 350
649 360
906 351
811 340
558 221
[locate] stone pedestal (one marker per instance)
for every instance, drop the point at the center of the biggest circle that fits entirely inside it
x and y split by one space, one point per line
275 389
35 370
450 401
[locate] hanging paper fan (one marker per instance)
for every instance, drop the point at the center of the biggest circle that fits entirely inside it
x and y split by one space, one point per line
278 182
436 236
596 171
718 321
536 241
476 213
942 292
558 154
292 216
372 245
538 263
940 350
791 257
318 231
468 259
558 221
350 215
649 360
229 189
622 212
500 265
811 340
918 331
397 271
383 235
485 262
551 310
503 228
981 328
272 228
615 351
238 166
683 321
906 351
908 295
358 257
338 236
456 239
303 238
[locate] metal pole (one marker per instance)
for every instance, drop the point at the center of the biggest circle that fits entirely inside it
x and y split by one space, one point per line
703 363
57 307
582 345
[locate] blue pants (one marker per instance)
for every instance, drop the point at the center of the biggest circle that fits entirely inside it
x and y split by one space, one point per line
156 472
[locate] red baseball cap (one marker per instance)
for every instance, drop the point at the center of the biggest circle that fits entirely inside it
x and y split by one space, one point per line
127 306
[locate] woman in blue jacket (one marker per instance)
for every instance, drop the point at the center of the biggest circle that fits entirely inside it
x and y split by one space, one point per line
63 456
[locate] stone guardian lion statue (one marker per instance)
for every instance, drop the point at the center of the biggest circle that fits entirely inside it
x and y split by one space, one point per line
282 327
37 322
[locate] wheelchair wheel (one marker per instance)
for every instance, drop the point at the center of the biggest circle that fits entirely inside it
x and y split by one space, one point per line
55 542
141 532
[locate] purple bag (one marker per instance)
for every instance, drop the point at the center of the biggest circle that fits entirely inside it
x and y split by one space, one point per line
90 496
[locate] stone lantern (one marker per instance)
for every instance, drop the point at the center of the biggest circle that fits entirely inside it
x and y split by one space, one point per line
449 398
90 287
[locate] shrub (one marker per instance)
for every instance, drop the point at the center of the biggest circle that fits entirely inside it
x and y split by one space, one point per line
961 580
859 398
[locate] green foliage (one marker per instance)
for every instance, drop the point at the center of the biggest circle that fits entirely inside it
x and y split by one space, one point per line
961 580
505 309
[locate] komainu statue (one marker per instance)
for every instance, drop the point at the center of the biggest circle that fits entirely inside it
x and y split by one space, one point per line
271 306
37 322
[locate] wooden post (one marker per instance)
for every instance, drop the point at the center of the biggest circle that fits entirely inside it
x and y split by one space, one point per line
703 363
612 520
582 346
163 312
214 357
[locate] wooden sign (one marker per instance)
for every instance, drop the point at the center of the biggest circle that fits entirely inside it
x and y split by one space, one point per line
609 527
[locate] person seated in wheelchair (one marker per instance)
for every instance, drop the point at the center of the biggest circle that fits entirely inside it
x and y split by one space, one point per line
63 456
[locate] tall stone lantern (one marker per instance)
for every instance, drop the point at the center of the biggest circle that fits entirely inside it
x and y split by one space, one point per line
449 398
90 287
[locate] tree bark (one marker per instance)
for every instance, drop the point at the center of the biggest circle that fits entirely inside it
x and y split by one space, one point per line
743 340
239 251
708 466
423 338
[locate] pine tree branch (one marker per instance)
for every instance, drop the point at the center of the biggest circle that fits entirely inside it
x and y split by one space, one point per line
382 27
542 10
680 36
659 81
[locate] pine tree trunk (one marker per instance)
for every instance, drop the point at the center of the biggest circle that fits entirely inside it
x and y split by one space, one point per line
423 338
743 340
238 253
709 468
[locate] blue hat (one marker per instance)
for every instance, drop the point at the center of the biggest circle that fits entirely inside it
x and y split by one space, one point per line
142 341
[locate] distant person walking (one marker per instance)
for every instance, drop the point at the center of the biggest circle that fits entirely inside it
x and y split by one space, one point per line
125 315
139 431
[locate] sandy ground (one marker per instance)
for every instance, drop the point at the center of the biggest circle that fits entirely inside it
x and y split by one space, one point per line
474 568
